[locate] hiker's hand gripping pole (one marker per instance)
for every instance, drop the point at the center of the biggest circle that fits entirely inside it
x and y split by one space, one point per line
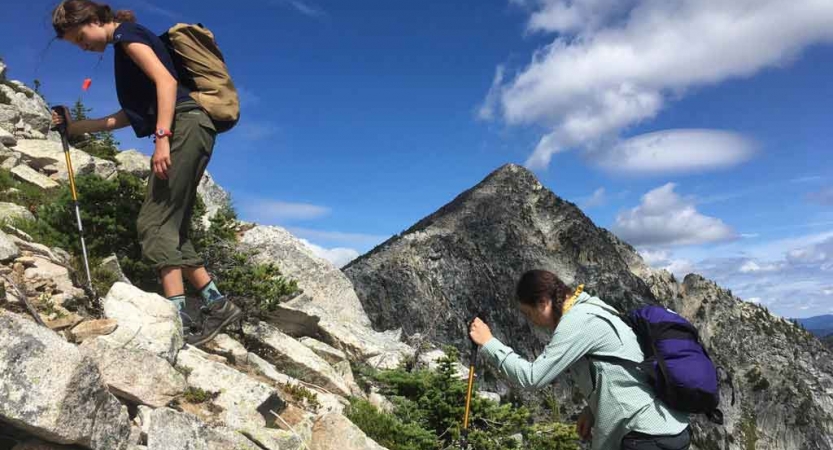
61 127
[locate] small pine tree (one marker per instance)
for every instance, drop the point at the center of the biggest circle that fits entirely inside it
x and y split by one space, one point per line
102 144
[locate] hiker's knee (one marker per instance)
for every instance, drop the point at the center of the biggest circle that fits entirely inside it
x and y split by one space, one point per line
160 249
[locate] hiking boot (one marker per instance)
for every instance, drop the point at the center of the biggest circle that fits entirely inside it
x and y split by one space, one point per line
216 316
189 324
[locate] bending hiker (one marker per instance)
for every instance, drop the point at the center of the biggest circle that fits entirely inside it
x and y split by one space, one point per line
623 412
155 104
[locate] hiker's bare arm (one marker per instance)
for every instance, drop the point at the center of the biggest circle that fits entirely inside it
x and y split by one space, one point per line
146 59
112 122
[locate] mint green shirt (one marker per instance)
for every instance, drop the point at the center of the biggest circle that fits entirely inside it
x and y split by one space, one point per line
622 400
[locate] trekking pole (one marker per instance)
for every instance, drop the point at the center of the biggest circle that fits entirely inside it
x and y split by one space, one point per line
62 129
464 434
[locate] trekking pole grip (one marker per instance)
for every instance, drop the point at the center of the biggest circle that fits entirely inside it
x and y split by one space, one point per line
64 113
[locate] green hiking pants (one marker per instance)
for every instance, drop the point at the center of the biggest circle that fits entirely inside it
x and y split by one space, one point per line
165 218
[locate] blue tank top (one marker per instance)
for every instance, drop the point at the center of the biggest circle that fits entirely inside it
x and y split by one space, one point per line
136 91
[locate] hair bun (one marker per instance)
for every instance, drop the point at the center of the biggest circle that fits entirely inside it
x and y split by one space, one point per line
124 15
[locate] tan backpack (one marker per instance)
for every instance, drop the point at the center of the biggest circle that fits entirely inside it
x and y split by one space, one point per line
202 69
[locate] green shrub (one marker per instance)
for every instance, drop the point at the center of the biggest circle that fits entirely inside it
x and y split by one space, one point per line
432 404
388 430
196 395
302 395
259 287
109 209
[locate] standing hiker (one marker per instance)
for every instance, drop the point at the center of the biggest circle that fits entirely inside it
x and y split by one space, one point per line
623 411
155 104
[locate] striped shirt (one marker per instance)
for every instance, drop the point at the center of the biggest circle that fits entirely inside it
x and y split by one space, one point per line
622 400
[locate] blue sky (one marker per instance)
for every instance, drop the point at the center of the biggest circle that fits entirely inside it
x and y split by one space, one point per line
694 130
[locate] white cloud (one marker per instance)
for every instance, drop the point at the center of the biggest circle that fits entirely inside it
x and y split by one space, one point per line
680 267
666 219
487 109
676 151
338 256
616 64
598 198
662 259
754 299
272 211
575 16
654 258
751 266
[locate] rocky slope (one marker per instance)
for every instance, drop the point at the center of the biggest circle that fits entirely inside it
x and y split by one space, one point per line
465 259
124 380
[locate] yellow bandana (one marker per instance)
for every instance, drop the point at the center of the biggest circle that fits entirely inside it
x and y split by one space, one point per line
572 300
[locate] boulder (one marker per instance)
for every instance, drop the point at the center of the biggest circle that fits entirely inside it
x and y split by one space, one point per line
49 156
133 162
13 211
111 264
146 321
68 321
8 249
13 159
51 390
245 402
7 138
29 175
333 431
228 348
93 328
272 439
328 294
134 374
9 116
330 354
56 275
327 402
104 168
33 110
172 430
294 358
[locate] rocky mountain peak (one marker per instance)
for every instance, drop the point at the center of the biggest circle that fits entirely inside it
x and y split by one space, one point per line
465 258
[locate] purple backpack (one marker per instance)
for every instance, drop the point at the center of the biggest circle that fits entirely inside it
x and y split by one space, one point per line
679 368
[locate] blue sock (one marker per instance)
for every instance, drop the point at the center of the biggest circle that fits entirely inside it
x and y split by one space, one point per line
210 293
179 301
